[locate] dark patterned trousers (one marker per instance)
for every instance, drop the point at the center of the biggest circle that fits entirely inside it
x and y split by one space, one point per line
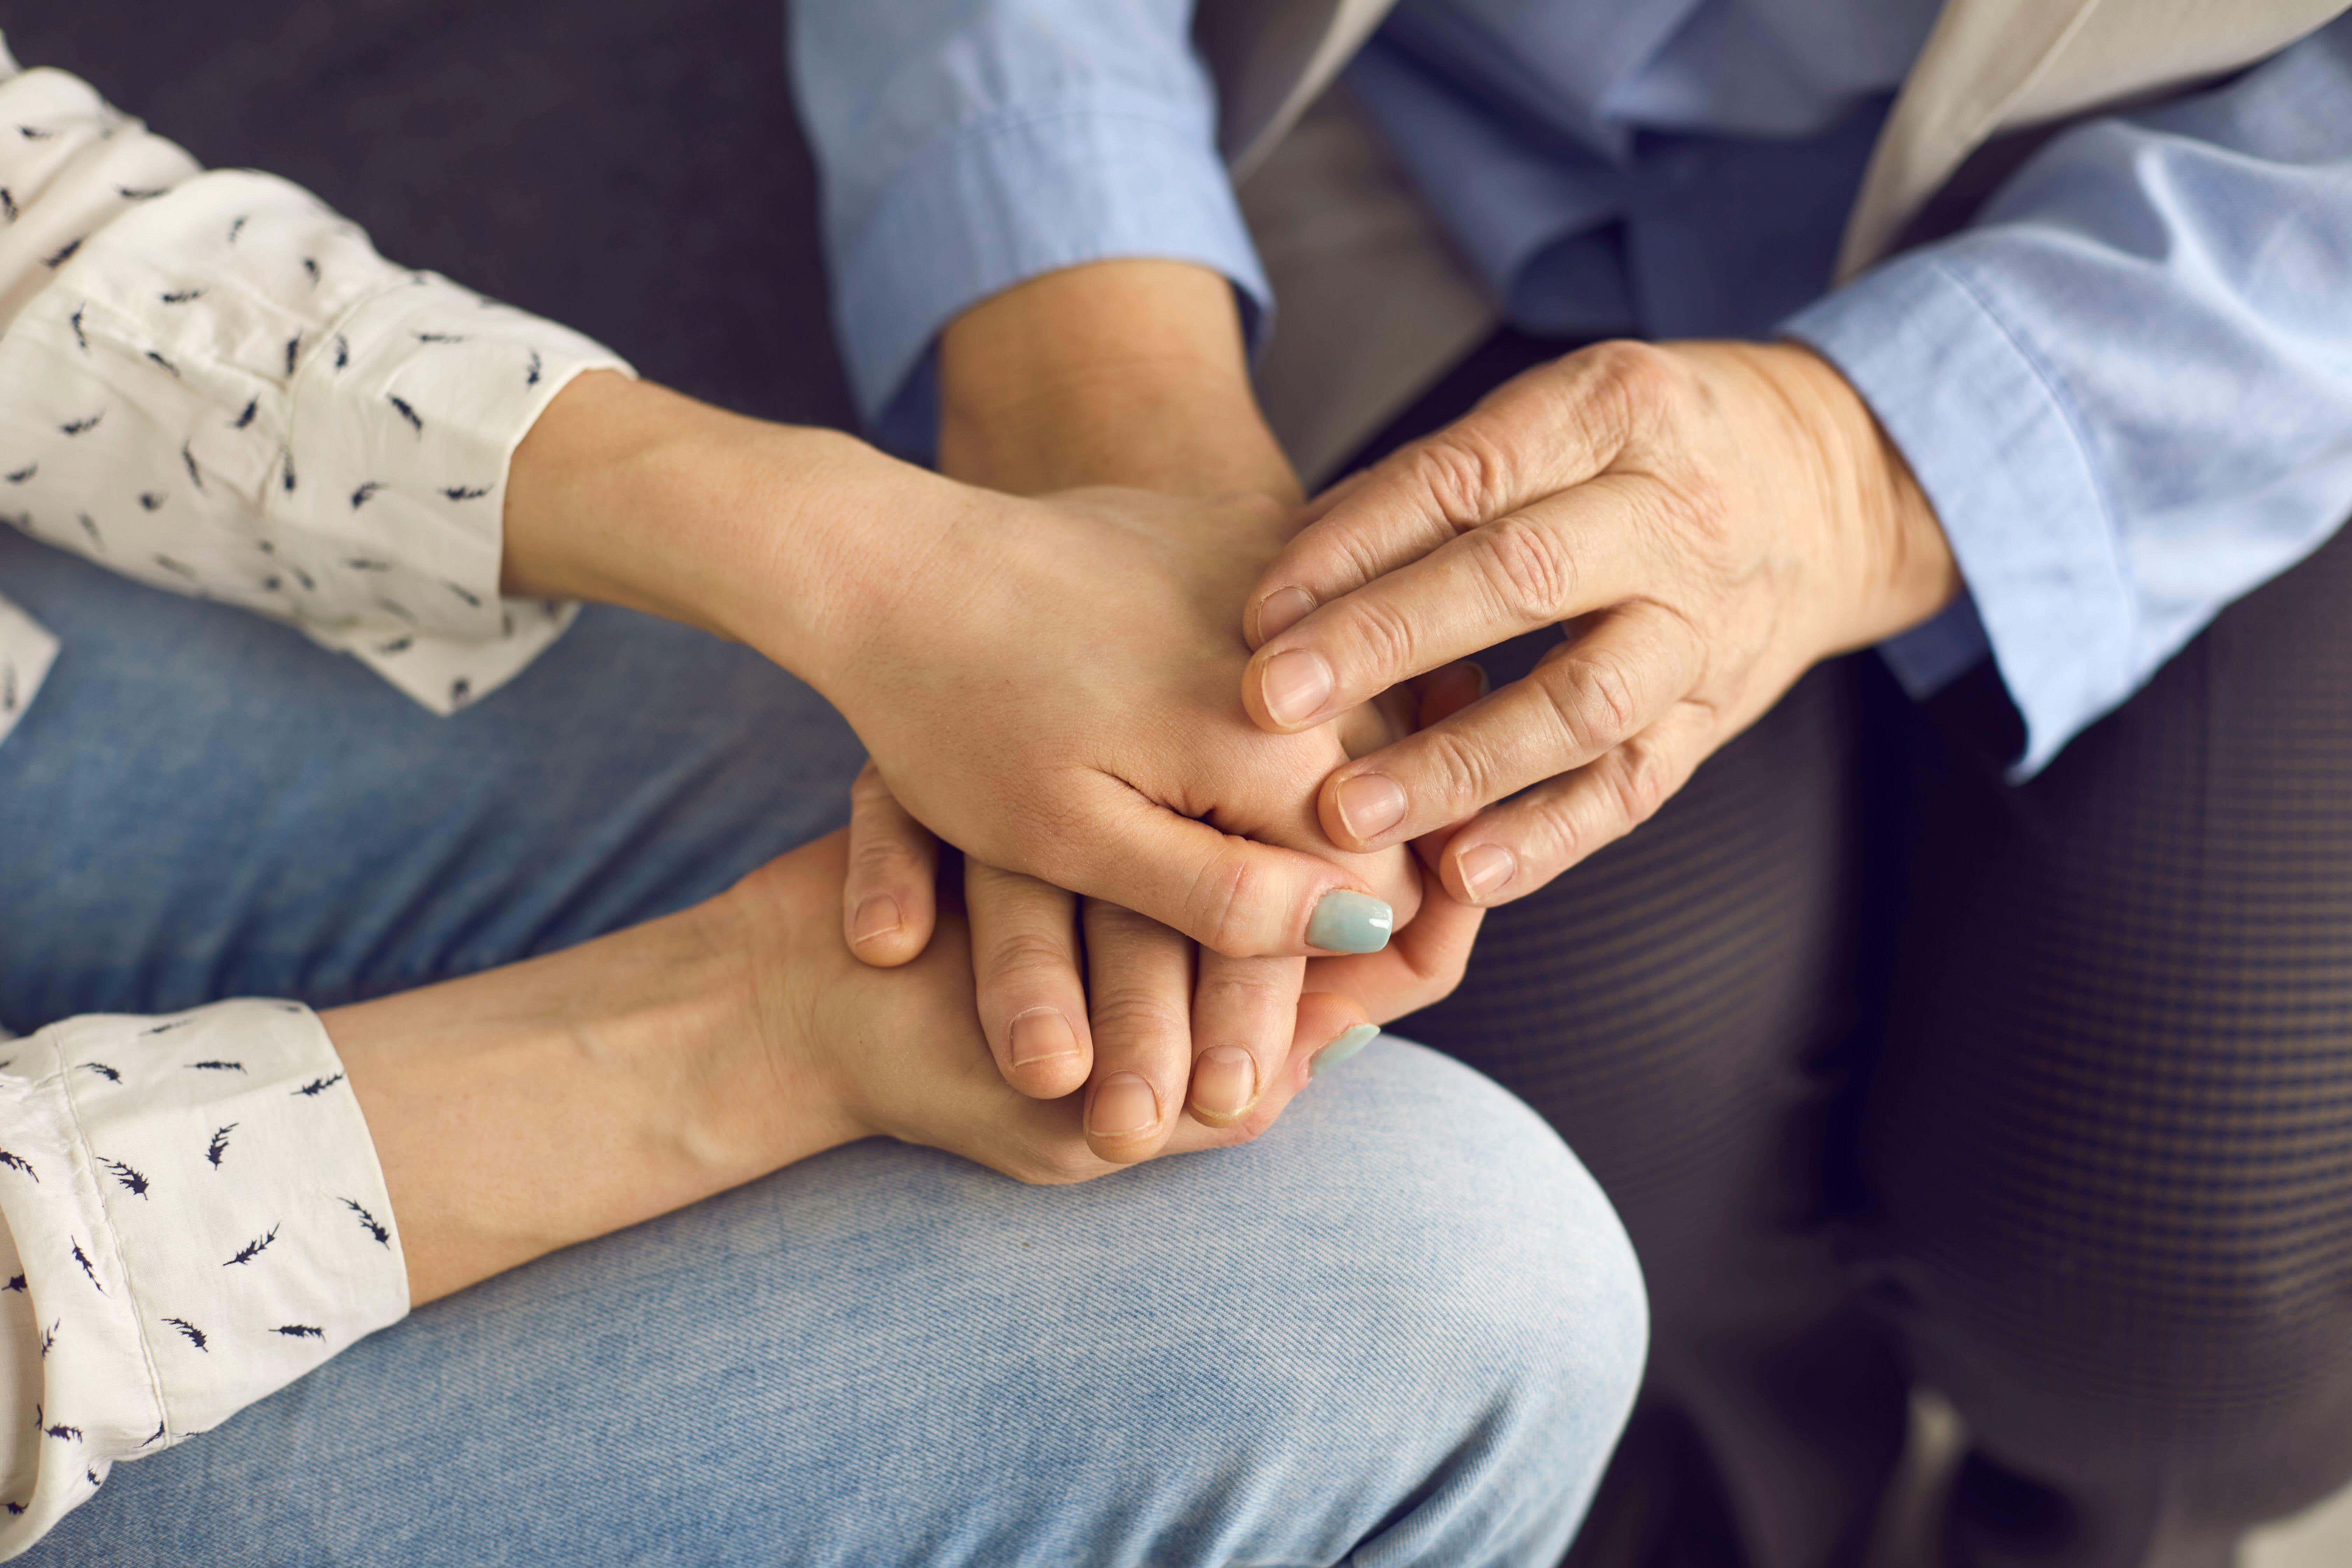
2040 1095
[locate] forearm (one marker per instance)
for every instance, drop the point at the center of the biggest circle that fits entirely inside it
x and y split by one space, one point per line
1129 372
529 1108
777 535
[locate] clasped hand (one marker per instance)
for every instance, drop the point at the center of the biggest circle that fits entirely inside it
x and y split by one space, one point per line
1092 745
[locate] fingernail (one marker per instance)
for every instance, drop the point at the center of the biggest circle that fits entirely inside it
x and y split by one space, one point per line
1296 684
1369 805
878 916
1340 1049
1487 869
1122 1107
1040 1033
1224 1081
1347 922
1283 609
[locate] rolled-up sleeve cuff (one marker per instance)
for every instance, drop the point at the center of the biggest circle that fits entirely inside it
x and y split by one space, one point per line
199 1218
1931 656
1007 199
1994 448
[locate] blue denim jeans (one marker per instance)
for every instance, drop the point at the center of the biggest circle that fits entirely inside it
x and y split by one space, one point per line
1405 1327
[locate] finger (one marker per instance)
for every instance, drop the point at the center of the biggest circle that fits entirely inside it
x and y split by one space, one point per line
1139 982
1554 426
1422 966
888 903
1326 1028
1032 995
1231 895
1244 1011
1585 698
1041 1141
1564 555
1511 850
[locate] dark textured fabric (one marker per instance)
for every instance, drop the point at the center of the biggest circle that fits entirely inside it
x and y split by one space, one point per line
631 170
2042 1095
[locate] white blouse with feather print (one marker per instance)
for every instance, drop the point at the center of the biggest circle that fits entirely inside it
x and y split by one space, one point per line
211 383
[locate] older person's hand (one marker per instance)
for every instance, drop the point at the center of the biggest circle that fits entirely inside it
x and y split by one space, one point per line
1705 521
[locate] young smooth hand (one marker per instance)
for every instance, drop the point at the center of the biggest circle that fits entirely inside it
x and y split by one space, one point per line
530 1107
1081 995
1047 683
898 1052
1704 521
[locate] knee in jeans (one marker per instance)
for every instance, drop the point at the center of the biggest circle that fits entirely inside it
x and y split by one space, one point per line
1504 1338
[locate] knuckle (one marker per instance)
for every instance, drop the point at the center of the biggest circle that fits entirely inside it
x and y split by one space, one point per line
1557 834
885 859
1384 637
1642 376
1225 900
1461 766
1641 782
1237 994
1528 569
1593 699
1466 471
1023 961
1136 1017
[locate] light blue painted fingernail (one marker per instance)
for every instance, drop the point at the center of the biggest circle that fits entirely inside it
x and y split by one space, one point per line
1351 923
1340 1049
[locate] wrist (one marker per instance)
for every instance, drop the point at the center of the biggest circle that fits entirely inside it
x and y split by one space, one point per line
782 537
532 1107
1126 373
1882 521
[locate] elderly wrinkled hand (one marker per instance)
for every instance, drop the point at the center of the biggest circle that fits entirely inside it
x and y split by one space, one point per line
1704 521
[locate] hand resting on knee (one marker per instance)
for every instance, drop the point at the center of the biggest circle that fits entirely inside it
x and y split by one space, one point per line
527 1108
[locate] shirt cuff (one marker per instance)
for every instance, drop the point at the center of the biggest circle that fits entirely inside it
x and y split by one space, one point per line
1931 656
26 651
1995 451
199 1219
226 391
1005 199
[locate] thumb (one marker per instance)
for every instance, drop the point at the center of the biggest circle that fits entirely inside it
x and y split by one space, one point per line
1231 895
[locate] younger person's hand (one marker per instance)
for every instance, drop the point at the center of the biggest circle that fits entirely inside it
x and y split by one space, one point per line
1048 685
1141 1003
898 1052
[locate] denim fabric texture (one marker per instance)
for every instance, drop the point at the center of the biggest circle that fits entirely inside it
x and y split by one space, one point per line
1402 1328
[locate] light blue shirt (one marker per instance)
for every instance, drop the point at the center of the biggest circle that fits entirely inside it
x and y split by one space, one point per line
2127 386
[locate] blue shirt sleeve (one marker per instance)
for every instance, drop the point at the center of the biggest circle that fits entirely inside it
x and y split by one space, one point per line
965 145
2127 387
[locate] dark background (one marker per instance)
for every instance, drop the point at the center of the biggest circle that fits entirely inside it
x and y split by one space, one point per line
631 168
